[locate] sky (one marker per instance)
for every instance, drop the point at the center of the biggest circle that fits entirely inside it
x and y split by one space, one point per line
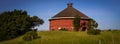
105 12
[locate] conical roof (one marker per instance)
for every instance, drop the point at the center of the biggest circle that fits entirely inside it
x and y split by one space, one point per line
70 12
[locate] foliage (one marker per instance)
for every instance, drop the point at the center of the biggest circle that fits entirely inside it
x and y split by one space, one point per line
76 23
63 29
92 24
16 23
30 36
37 21
109 30
94 32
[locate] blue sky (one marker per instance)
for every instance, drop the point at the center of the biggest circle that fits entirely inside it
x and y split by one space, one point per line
105 12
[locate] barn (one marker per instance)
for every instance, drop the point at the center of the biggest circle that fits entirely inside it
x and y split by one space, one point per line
64 19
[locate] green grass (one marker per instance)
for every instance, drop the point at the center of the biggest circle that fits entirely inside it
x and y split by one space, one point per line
66 37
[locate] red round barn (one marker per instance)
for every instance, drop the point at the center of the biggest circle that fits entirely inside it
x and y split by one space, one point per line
64 19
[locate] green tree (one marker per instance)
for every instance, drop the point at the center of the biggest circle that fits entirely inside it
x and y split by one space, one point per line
16 23
37 21
92 27
76 23
92 24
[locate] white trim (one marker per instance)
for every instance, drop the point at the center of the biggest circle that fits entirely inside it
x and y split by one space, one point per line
61 17
68 17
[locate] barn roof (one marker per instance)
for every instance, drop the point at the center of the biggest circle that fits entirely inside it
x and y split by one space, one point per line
69 12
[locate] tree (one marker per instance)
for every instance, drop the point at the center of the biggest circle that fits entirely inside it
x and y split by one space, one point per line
16 23
76 23
92 24
37 21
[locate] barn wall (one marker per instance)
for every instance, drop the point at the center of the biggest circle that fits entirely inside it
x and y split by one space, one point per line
65 23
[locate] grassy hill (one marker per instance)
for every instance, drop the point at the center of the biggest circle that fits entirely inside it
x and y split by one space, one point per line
62 37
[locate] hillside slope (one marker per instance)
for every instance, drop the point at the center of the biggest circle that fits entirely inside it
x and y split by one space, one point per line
62 37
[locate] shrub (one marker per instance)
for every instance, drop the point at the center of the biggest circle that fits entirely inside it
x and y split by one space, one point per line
63 29
94 32
30 36
109 30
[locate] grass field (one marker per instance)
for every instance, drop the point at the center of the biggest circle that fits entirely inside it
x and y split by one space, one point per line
65 37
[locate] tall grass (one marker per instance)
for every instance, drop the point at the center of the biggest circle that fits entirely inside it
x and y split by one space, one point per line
66 37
